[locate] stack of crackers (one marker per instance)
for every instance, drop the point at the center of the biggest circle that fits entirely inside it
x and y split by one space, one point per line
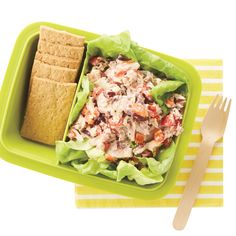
52 85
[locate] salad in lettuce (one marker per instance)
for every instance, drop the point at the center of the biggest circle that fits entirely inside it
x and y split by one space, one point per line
128 113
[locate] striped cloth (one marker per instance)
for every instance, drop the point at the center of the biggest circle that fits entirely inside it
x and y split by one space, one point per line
211 191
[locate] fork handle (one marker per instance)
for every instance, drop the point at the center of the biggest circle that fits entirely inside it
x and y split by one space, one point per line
193 185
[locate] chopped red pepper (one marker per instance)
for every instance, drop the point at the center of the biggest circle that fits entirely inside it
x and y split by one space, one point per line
159 136
139 138
110 158
85 111
139 110
106 146
121 73
168 120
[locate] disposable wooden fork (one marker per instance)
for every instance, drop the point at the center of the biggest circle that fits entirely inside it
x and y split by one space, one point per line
212 129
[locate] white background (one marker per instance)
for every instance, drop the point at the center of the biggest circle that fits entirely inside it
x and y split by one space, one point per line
35 204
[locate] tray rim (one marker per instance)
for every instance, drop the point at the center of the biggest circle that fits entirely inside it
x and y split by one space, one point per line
72 176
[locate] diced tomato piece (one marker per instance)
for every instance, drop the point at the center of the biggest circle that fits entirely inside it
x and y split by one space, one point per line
96 112
168 120
139 110
178 123
153 111
139 138
89 119
110 158
85 111
97 92
98 130
152 107
157 117
153 114
103 74
146 92
95 60
170 102
106 146
71 134
121 73
159 136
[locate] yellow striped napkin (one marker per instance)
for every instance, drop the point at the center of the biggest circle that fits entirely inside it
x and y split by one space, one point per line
211 192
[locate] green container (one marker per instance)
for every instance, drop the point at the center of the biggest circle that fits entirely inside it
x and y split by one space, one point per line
42 158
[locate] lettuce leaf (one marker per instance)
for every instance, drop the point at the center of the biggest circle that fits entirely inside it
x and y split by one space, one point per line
81 99
67 152
167 153
72 150
142 177
112 46
96 154
93 167
165 159
150 61
79 145
164 87
96 164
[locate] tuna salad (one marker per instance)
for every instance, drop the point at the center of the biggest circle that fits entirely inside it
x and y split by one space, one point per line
121 117
129 118
127 113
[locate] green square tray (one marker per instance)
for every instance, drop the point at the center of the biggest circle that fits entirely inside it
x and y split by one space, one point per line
42 158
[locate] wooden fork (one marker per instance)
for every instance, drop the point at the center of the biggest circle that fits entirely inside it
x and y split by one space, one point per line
212 129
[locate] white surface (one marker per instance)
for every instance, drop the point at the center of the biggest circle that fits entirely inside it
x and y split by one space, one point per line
35 204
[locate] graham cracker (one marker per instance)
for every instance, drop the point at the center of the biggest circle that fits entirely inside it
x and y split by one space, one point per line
47 110
72 52
61 37
56 73
58 61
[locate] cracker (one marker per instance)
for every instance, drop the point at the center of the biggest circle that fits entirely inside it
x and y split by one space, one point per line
61 37
60 50
56 73
47 110
58 61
